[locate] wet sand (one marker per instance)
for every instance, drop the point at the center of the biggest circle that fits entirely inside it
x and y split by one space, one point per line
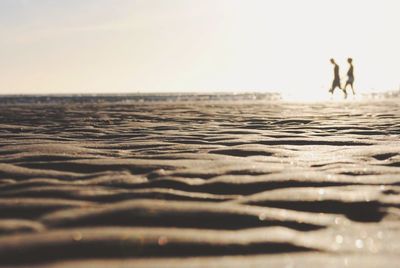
200 184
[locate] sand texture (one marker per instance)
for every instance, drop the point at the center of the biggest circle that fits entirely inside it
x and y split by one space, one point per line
200 184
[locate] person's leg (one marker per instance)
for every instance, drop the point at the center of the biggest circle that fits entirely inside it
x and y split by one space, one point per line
345 93
344 90
332 88
335 84
352 89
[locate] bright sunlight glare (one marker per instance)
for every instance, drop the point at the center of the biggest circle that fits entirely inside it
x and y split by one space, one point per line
103 46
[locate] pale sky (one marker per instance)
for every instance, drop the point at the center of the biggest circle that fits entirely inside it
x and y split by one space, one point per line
117 46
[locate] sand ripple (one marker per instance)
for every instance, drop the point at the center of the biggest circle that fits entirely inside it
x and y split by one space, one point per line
86 184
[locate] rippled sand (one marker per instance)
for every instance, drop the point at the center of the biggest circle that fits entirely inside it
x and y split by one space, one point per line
200 184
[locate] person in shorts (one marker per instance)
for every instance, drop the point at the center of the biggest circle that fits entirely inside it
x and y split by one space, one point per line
350 76
336 79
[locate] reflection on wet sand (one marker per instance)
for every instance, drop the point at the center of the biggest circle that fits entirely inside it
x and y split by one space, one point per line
90 183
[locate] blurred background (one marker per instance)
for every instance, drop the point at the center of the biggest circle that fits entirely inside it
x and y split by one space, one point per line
124 46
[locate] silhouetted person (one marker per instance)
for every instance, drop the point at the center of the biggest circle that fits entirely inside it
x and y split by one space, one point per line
336 79
350 75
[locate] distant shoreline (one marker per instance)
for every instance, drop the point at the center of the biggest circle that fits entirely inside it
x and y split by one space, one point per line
169 97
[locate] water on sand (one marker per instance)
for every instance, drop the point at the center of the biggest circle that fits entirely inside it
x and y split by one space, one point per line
146 183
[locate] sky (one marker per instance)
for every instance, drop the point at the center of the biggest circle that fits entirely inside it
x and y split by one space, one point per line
128 46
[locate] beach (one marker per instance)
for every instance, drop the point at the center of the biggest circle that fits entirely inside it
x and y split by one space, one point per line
199 183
